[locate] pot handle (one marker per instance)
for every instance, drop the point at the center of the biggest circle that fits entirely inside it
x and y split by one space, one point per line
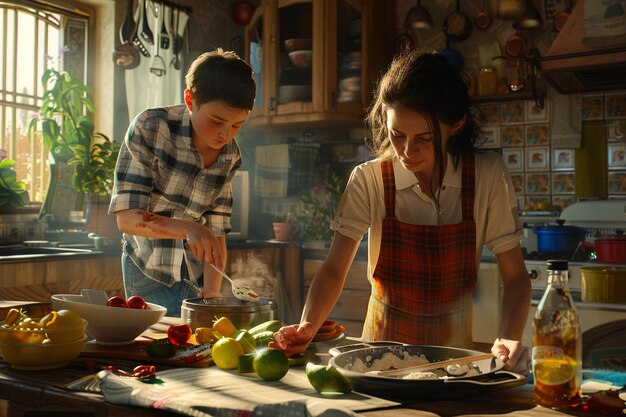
508 377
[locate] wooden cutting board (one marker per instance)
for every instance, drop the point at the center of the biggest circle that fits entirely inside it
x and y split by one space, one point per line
137 352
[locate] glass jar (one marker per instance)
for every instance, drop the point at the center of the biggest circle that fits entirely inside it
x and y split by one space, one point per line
487 82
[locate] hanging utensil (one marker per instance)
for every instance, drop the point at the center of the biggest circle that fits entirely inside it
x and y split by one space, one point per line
126 55
139 13
483 19
242 293
457 25
177 41
158 63
165 32
146 32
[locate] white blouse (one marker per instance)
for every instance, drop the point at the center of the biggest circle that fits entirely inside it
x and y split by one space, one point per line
362 206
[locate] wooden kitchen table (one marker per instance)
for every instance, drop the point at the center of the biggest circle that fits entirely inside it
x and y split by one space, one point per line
41 393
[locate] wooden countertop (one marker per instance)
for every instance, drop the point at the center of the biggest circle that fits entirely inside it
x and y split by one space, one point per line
43 392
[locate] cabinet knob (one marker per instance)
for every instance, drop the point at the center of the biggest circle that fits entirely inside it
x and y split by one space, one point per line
272 103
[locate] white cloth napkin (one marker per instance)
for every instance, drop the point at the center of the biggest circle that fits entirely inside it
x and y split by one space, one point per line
202 392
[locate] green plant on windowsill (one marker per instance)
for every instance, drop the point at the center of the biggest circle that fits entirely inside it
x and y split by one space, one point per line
65 125
13 192
318 211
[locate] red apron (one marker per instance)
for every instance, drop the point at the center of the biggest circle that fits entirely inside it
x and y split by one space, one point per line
423 282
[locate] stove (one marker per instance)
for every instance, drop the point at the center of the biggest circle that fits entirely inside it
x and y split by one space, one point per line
599 218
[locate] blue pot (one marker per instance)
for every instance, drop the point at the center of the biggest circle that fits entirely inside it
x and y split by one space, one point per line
559 240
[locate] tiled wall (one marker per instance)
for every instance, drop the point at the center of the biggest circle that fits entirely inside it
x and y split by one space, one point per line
542 171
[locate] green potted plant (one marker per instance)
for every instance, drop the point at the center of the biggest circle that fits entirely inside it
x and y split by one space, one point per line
318 211
13 193
65 126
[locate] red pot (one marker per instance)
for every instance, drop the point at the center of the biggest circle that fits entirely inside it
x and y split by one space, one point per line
611 249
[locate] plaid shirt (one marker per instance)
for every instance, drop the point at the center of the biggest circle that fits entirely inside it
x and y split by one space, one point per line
160 170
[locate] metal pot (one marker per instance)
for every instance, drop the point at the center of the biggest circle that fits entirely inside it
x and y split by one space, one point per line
457 25
603 285
491 377
201 312
106 243
559 240
611 249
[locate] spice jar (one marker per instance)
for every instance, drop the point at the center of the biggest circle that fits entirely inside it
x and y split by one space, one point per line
487 82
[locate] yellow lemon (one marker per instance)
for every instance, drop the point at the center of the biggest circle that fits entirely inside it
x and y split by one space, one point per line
226 352
555 371
270 364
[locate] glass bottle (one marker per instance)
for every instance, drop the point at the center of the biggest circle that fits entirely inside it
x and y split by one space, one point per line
557 343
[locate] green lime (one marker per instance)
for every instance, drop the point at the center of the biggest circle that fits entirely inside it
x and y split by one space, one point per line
246 363
271 364
326 379
226 352
246 340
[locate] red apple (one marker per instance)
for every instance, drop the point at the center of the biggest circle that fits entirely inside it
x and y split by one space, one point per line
137 302
117 301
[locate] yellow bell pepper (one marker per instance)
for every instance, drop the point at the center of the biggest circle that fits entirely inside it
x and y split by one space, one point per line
224 327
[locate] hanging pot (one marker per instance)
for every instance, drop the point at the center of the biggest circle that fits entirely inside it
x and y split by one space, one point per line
483 19
457 25
516 46
559 240
611 249
126 55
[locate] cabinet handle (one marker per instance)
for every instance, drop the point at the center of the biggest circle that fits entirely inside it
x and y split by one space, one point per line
272 103
333 99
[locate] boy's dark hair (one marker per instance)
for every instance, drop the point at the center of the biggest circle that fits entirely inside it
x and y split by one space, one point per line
221 75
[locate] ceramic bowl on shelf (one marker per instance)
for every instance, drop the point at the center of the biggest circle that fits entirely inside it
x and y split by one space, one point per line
298 44
301 58
289 93
110 325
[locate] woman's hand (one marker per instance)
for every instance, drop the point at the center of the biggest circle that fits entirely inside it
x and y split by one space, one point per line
513 353
293 339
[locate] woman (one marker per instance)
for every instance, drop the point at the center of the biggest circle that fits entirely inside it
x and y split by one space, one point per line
172 194
430 201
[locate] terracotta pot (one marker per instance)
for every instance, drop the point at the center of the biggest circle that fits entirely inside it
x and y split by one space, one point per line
284 231
611 249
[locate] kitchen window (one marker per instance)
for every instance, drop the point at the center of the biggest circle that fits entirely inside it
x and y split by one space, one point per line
33 37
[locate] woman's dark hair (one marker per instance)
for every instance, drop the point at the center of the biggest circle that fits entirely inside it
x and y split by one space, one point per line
221 75
426 82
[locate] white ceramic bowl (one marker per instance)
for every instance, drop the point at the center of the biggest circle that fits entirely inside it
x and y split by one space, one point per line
110 325
301 58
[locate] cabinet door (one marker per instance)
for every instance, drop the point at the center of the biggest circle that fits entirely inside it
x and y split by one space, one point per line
346 87
257 55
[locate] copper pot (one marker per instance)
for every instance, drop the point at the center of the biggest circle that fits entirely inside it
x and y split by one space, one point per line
483 19
611 249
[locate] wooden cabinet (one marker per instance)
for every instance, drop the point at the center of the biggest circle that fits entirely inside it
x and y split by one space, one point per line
351 307
37 280
348 48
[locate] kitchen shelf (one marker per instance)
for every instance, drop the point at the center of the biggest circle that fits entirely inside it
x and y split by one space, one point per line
498 98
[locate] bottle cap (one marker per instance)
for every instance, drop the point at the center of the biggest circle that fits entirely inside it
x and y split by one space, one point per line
557 264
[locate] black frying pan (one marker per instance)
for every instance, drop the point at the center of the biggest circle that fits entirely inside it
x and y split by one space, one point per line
491 376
